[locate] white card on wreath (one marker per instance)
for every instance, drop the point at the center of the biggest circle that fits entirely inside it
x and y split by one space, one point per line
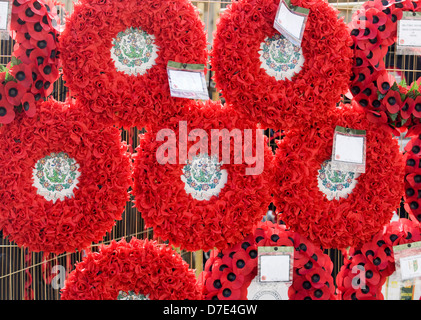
4 15
290 21
187 80
275 264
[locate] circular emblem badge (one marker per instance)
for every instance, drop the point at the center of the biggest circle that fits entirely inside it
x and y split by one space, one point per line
55 176
122 295
280 58
203 177
134 51
336 184
267 291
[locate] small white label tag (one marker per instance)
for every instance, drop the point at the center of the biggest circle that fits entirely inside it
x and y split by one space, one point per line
290 21
5 16
349 150
410 267
275 264
408 34
187 81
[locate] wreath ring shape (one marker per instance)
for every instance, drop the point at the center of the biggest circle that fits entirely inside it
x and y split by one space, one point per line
115 56
385 99
269 79
231 274
209 199
64 179
135 270
337 209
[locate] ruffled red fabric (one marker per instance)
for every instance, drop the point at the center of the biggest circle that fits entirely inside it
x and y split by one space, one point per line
100 196
174 214
413 178
325 75
35 27
376 258
90 73
373 29
224 278
344 222
141 266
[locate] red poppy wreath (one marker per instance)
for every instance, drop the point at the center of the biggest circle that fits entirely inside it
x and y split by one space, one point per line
115 56
33 69
135 270
269 79
64 179
374 29
231 274
207 185
366 269
329 207
413 178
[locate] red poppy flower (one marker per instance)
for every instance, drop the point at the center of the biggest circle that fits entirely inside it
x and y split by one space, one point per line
28 104
303 287
23 74
231 279
375 16
48 71
25 13
144 267
241 263
392 101
412 178
7 114
360 59
36 30
35 44
412 160
375 57
23 37
385 82
408 108
384 17
417 107
377 116
46 44
37 7
14 92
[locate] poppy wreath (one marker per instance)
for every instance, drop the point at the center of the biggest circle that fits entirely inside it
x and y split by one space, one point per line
269 79
115 56
196 200
34 66
134 270
366 268
412 194
332 208
64 179
228 273
373 30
